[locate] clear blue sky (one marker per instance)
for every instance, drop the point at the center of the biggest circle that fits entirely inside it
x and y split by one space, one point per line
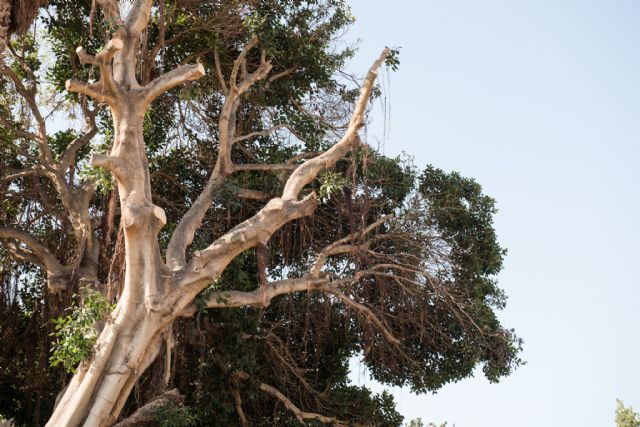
540 102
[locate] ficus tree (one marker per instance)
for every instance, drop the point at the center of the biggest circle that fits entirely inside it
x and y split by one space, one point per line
219 224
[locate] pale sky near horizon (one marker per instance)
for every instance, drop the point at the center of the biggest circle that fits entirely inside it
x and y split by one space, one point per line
540 102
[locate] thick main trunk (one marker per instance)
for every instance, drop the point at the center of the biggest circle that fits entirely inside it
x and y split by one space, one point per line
131 340
100 387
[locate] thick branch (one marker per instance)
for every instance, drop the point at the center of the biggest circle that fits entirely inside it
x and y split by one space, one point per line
94 90
184 232
175 77
308 171
209 263
84 57
260 297
72 149
241 60
38 254
138 16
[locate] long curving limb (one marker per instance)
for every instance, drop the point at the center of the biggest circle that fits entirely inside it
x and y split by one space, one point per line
183 235
301 415
208 264
35 252
175 77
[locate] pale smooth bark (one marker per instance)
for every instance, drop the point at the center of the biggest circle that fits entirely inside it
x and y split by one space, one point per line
156 293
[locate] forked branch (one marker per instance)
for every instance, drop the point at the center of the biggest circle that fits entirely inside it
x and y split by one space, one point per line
185 231
209 263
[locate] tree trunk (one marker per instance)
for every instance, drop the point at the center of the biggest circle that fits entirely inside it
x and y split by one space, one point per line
132 339
5 22
154 295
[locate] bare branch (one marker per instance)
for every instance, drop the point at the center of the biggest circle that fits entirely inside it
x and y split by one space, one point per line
184 232
341 246
94 90
264 167
209 263
245 193
138 16
37 253
84 57
175 77
367 313
301 415
72 149
240 60
30 97
308 171
260 133
260 297
223 85
27 172
280 75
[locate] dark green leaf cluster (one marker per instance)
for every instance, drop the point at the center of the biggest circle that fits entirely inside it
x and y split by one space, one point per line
76 333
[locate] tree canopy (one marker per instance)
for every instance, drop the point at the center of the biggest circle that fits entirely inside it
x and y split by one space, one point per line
231 125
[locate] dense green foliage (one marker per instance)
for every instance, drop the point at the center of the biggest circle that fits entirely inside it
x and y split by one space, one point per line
77 331
441 305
